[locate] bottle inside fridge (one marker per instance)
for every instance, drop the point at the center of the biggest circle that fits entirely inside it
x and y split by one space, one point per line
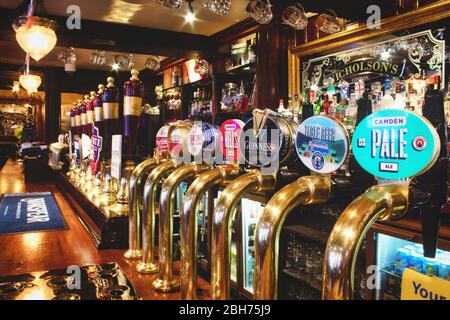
394 255
251 211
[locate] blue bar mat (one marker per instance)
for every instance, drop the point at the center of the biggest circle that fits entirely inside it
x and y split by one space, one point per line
30 212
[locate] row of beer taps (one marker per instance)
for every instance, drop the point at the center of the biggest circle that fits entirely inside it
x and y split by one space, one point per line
377 202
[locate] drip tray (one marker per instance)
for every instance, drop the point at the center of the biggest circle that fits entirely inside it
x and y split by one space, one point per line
91 282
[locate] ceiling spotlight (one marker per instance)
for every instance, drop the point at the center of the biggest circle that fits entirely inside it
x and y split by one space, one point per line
115 66
190 16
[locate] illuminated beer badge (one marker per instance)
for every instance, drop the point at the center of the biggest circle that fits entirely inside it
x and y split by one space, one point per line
230 132
161 139
202 138
175 143
322 144
395 144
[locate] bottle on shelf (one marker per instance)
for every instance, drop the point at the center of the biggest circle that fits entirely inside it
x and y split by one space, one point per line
399 101
387 102
251 51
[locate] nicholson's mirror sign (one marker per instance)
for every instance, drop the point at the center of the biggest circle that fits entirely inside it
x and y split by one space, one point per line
322 144
395 144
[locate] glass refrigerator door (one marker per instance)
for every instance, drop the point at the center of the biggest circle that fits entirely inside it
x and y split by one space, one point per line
202 225
233 250
251 211
393 255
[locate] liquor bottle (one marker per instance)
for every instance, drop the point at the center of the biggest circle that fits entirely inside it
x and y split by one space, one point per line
132 103
399 101
174 77
72 122
252 51
197 102
84 123
90 112
364 107
317 105
78 126
387 102
281 109
307 108
98 110
110 114
325 108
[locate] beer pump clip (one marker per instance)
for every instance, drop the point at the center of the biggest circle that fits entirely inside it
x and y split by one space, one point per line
395 146
322 144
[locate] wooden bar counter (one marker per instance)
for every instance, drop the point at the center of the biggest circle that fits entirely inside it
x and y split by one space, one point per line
41 251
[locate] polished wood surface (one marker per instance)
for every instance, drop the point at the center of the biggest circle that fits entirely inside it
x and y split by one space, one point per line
39 251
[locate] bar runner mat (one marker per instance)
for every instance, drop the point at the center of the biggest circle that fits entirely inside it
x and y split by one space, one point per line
30 212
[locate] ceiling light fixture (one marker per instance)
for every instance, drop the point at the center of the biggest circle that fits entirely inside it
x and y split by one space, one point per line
30 82
190 16
152 63
124 61
98 57
35 35
115 66
219 7
172 4
69 58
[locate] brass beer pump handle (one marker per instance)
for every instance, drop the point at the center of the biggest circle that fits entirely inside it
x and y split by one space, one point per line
381 202
221 227
309 190
165 281
148 263
189 228
134 214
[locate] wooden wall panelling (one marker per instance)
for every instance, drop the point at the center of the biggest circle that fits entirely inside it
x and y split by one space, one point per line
272 66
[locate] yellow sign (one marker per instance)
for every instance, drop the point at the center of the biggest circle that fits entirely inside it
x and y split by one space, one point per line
417 286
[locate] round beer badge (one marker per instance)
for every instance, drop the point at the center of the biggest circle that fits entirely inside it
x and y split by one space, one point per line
175 143
322 144
202 137
161 139
229 135
395 144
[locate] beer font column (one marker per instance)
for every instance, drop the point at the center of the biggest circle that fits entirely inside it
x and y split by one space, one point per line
136 190
165 282
394 145
267 145
229 135
322 145
176 142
